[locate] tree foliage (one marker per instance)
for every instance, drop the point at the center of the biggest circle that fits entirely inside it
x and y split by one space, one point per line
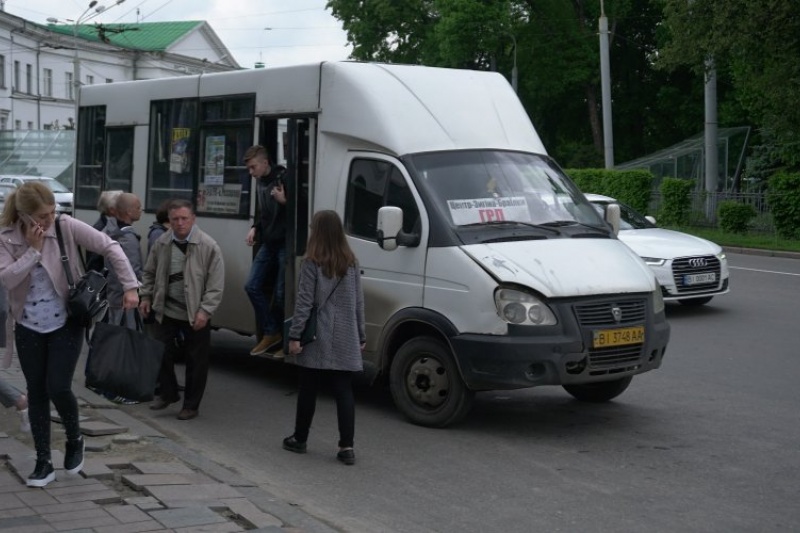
558 62
759 44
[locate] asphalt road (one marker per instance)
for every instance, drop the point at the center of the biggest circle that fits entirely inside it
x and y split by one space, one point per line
709 442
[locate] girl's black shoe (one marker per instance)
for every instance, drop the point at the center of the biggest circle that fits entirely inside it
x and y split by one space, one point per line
73 457
293 445
42 474
347 456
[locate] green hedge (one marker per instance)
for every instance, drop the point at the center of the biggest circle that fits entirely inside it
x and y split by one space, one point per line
734 217
783 197
632 187
676 201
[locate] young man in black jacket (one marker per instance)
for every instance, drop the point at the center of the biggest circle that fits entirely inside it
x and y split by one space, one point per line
269 230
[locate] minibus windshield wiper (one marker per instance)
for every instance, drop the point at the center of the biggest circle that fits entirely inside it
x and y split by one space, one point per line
564 223
512 223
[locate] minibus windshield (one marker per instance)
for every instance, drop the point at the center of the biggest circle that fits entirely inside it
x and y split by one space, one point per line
489 186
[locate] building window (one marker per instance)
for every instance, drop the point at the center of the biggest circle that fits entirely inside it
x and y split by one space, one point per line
89 79
16 76
2 72
17 124
3 120
28 78
109 80
70 87
30 125
47 82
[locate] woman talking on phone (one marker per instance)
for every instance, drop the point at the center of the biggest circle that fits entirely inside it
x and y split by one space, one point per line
48 341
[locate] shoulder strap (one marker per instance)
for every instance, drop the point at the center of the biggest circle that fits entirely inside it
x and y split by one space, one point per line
334 290
64 257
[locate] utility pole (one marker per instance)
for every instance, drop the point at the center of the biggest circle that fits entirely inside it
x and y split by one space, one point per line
605 84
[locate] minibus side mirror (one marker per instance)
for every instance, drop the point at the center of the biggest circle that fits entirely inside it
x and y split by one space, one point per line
390 222
613 216
650 219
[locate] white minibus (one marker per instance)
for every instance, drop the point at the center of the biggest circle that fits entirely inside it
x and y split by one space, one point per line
483 266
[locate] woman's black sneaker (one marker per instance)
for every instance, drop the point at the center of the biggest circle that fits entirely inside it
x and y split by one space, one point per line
348 456
73 457
42 474
293 445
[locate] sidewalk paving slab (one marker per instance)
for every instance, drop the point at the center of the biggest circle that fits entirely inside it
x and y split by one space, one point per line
135 480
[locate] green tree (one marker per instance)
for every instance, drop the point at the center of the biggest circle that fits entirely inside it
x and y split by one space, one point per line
758 43
558 64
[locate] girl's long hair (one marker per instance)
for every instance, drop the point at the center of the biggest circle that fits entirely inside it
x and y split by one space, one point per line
327 245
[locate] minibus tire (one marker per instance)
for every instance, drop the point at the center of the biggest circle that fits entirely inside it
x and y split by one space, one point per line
599 392
426 384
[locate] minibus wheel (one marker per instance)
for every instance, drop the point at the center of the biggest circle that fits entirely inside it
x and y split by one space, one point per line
426 385
599 392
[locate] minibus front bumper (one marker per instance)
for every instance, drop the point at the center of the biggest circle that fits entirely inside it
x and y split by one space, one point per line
518 360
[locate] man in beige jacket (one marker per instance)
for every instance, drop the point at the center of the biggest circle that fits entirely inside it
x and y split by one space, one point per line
182 283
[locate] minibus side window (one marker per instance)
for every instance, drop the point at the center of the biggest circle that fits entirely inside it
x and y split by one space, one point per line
173 142
90 156
373 184
119 159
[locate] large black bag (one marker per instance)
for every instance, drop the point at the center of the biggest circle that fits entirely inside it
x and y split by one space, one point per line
310 330
85 302
123 361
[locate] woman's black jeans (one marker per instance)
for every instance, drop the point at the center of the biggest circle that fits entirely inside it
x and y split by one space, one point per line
311 381
48 361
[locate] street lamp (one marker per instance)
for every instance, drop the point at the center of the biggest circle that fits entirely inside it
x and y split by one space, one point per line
513 68
90 12
260 62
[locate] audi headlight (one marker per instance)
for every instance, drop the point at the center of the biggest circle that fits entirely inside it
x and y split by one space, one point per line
654 261
517 307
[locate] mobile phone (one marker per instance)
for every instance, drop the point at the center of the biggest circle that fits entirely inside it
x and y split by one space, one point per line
28 220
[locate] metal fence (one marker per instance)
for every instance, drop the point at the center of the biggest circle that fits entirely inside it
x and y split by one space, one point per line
705 205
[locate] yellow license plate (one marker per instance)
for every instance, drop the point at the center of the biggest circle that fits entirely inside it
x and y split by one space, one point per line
603 338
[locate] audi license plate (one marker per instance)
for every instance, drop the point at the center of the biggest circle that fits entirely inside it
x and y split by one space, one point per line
604 338
696 279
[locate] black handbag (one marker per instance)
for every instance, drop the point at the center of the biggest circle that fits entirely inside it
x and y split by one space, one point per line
123 361
310 329
85 301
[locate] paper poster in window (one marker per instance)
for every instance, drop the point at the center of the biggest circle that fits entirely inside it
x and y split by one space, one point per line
219 199
178 160
215 160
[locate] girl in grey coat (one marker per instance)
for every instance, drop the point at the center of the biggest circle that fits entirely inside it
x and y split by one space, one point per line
329 279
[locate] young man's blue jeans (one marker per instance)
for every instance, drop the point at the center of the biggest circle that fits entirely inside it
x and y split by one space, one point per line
269 263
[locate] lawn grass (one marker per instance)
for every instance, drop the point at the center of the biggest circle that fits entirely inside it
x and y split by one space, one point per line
750 240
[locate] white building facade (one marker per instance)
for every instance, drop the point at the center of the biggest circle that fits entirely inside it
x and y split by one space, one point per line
39 64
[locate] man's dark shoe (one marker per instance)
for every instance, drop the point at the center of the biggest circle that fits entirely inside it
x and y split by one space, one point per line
42 474
187 414
161 403
347 456
73 457
293 445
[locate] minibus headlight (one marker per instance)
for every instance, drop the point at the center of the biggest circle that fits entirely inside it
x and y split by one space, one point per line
517 307
514 313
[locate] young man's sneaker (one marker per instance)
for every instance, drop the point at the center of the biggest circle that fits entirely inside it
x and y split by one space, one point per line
24 421
73 457
42 474
266 342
